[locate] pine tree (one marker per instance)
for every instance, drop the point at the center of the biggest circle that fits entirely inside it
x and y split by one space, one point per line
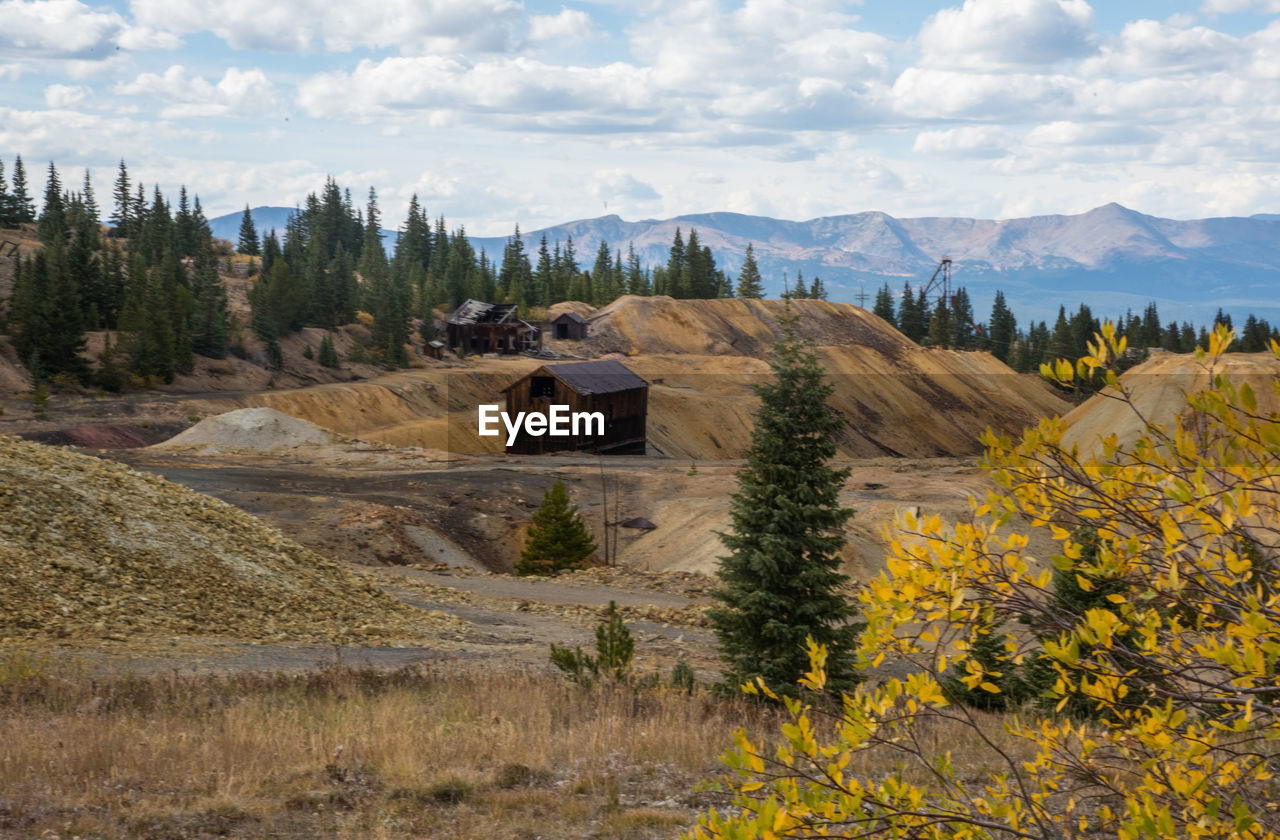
53 216
93 216
558 538
7 219
883 308
961 320
123 218
1003 328
750 284
248 243
24 210
328 356
940 332
781 581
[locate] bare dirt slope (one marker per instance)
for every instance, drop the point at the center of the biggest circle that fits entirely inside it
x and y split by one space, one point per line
1160 387
91 549
701 359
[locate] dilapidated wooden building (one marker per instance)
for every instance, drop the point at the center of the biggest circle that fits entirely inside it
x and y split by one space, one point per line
606 388
479 327
569 325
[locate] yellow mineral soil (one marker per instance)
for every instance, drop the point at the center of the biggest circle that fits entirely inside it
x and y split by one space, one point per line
92 550
701 358
1159 389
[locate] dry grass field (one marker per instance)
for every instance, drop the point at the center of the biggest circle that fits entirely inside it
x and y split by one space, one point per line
351 753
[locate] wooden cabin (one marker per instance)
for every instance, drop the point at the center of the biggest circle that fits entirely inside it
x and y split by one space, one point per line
569 325
585 387
479 327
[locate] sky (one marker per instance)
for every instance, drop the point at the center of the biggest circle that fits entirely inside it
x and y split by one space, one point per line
495 112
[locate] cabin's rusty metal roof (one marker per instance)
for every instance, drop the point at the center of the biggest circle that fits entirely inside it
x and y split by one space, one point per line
572 316
607 377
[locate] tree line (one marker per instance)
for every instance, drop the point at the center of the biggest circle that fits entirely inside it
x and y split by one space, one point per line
154 281
952 324
152 278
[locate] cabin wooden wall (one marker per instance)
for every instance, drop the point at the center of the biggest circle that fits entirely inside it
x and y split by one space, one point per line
624 418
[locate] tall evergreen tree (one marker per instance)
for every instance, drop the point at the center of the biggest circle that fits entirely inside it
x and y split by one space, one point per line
750 284
1002 328
961 312
123 218
7 219
676 270
248 243
911 314
637 281
53 216
940 330
781 580
93 215
883 307
24 210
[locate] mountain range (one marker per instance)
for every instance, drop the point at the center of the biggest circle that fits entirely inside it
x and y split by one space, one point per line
1111 257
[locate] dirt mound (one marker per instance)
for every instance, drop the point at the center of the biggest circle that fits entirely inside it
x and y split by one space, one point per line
734 327
1160 387
701 358
92 549
106 435
260 429
577 307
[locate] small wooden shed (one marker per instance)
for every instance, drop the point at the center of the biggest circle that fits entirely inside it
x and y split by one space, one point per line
569 325
607 387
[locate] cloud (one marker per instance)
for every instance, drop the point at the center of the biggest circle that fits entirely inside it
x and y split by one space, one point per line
413 27
64 96
1008 33
64 134
620 186
238 91
698 71
570 26
1148 47
526 92
70 29
970 141
1226 7
930 94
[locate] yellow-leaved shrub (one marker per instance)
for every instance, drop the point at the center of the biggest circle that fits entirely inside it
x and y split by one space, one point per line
1187 518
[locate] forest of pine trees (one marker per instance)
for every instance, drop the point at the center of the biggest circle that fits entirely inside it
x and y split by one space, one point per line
935 324
151 282
154 283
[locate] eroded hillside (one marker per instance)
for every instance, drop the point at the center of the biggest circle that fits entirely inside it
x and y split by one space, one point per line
1159 389
701 359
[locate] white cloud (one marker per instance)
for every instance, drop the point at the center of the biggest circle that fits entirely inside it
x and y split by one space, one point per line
969 141
1147 47
70 29
64 96
1226 7
570 26
414 27
930 93
66 135
551 97
1008 33
238 91
620 187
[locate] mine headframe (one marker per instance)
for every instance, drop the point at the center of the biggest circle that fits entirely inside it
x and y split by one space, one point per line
939 285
